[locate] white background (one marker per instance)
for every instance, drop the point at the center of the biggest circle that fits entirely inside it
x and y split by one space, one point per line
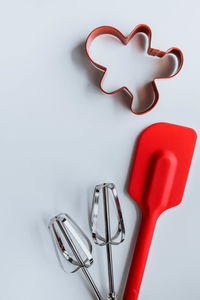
60 135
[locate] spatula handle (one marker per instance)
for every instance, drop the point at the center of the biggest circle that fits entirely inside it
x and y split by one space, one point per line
139 258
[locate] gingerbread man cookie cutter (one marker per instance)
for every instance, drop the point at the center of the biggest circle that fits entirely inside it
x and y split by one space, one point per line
142 28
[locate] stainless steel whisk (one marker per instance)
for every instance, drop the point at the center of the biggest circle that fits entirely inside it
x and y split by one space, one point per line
73 245
110 238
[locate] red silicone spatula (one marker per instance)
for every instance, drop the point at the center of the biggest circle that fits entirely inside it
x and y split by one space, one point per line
158 180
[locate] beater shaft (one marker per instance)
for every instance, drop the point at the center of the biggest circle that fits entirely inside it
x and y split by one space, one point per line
108 244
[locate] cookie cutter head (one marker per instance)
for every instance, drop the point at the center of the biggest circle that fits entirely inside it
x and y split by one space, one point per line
142 28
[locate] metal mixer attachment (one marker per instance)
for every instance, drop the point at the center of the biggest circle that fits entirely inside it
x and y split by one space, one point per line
72 246
114 235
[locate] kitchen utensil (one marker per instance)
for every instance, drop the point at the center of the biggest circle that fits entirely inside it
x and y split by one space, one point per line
144 29
110 239
158 180
72 245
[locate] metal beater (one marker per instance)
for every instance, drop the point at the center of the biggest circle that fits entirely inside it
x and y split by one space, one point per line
110 238
73 245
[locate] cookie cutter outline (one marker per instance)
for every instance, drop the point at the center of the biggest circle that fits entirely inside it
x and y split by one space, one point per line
142 28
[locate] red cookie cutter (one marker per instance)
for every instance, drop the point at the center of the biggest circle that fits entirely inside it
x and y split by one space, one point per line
151 51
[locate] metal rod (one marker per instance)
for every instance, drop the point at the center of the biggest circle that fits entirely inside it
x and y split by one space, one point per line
112 294
79 259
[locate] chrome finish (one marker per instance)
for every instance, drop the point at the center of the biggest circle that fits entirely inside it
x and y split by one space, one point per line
64 231
108 240
108 245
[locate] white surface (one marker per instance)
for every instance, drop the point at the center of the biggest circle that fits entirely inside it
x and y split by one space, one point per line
60 136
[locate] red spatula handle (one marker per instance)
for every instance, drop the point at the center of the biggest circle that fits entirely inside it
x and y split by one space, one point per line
139 258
